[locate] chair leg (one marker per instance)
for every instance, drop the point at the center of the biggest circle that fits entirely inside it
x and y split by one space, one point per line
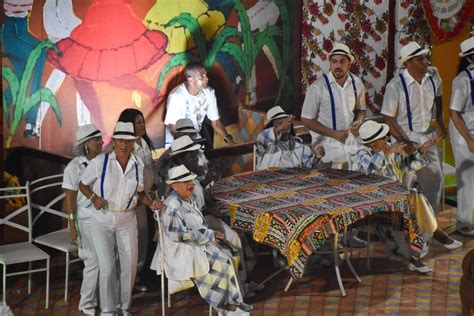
336 265
163 293
369 232
4 284
47 283
290 281
169 299
29 278
210 310
348 259
66 281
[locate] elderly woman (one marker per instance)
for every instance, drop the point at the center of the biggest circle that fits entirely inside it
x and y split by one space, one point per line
113 182
278 146
88 145
143 148
192 250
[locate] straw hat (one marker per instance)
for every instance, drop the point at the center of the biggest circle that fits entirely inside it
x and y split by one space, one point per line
370 131
124 131
274 113
467 47
411 50
183 144
87 132
179 174
341 49
185 125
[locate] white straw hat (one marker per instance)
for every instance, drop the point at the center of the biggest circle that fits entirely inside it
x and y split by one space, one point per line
274 113
411 50
179 174
87 132
371 130
341 49
467 47
124 130
185 125
183 144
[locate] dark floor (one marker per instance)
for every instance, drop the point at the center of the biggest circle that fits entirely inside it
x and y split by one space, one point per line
388 288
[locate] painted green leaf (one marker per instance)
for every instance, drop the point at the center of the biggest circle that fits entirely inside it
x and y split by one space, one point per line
236 52
13 84
176 60
218 43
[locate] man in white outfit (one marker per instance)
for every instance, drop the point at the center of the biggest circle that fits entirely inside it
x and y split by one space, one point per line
461 130
334 108
408 109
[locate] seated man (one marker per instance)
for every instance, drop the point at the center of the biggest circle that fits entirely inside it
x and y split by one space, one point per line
278 146
379 157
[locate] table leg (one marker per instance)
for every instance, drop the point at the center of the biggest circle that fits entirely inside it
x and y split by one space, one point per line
336 264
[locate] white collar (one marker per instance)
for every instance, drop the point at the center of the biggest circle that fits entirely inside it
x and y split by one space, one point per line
409 79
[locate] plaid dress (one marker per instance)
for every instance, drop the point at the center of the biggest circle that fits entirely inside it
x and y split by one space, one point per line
186 224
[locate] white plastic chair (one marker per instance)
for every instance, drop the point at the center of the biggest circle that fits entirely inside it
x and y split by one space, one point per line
60 239
156 216
21 252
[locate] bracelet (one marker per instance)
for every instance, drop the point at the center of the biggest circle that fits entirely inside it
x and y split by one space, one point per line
71 216
91 198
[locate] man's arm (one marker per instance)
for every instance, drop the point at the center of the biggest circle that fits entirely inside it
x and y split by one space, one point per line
399 134
462 129
439 116
319 128
220 129
70 206
172 128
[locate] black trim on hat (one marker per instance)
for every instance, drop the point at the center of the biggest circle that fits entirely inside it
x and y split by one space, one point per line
277 114
368 139
469 51
91 135
415 51
336 51
124 133
185 127
184 175
185 147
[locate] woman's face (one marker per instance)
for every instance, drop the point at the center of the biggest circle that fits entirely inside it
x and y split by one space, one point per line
379 144
123 148
94 147
139 125
183 189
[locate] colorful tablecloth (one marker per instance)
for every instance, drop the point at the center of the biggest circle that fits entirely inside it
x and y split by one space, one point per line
296 210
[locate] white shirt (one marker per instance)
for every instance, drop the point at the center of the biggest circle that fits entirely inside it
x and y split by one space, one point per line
317 103
181 104
119 186
421 100
144 153
17 8
71 177
461 97
59 19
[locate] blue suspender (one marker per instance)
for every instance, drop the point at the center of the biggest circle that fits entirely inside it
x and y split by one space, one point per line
471 80
407 97
333 104
85 164
331 96
102 179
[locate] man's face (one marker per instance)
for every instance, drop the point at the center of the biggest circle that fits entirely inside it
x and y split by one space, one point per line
418 65
123 147
184 189
339 66
200 79
283 125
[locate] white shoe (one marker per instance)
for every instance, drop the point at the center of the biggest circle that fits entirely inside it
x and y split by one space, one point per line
455 244
423 269
88 311
425 250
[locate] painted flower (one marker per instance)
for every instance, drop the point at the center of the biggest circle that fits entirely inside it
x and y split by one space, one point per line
342 17
405 4
306 28
377 1
366 26
380 26
314 8
328 9
327 45
324 20
380 62
357 46
355 69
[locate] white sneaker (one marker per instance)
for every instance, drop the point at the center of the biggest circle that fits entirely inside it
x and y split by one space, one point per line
423 269
88 311
455 244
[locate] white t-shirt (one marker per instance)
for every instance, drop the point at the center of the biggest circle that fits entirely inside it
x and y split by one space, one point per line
181 104
120 188
71 177
144 153
317 103
461 97
421 100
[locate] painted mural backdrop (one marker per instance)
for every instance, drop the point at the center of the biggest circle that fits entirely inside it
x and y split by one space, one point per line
363 26
68 63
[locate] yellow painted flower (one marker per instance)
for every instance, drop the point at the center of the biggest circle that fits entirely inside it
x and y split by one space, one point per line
179 39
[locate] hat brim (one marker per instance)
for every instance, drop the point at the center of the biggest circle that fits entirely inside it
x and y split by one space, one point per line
467 53
351 57
186 130
126 137
185 179
192 148
86 139
381 134
278 116
421 52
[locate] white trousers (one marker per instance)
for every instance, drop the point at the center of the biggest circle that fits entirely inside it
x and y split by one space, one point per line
464 160
430 177
90 273
142 227
115 240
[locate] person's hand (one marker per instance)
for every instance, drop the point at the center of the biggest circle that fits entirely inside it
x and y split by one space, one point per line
396 148
98 202
441 131
355 127
229 140
73 232
341 136
470 144
319 151
218 236
411 147
156 204
427 145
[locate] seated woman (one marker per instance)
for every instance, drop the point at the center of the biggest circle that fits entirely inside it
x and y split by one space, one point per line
379 157
278 146
193 251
